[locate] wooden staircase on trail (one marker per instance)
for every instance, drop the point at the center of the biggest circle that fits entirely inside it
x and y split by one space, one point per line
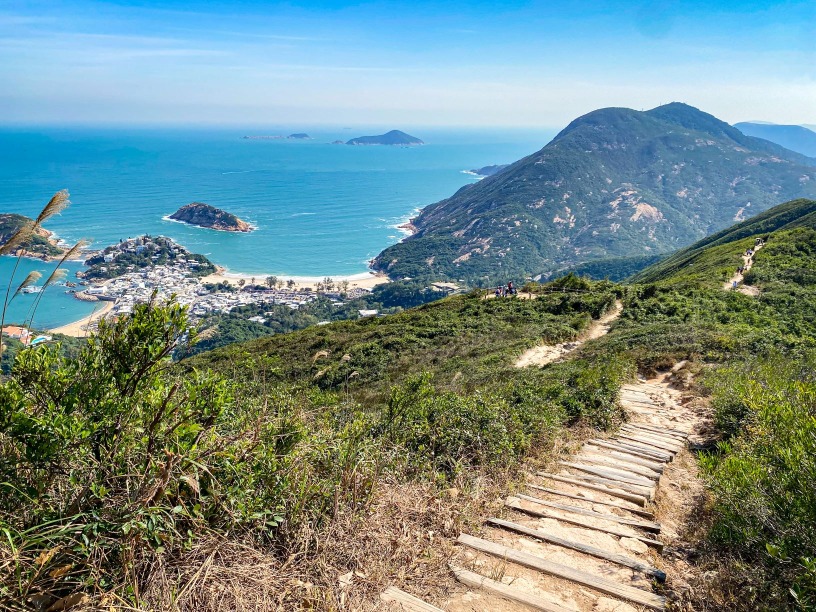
582 539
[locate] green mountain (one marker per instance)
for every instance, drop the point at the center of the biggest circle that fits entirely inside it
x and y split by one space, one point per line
615 183
793 137
394 137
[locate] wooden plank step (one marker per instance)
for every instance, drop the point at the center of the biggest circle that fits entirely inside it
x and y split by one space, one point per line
477 581
638 395
643 398
628 593
613 462
668 438
631 400
649 451
623 486
647 525
656 442
407 602
643 453
657 466
610 474
638 511
623 560
649 443
651 468
657 429
640 500
578 522
676 437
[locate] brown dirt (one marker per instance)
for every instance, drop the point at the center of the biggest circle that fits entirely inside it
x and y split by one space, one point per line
548 353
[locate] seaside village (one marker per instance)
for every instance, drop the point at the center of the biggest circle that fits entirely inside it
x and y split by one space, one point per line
138 267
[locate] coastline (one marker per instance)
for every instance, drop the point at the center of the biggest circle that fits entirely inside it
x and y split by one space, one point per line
80 328
363 280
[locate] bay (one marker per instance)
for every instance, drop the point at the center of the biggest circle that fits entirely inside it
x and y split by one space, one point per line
320 209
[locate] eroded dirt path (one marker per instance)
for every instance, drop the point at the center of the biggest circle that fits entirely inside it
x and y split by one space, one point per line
547 353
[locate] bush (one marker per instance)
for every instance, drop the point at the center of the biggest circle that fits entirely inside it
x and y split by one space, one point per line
108 455
765 498
446 431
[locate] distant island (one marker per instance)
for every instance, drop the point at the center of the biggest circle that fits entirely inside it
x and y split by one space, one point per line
204 215
488 170
296 136
394 137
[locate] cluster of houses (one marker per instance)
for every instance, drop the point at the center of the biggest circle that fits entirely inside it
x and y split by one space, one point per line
174 280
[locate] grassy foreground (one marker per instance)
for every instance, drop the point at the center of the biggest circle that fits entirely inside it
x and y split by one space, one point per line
308 470
122 473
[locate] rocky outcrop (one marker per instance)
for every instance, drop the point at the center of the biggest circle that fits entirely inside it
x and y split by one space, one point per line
204 215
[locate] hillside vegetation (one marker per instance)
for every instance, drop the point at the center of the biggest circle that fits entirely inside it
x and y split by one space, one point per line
615 183
257 475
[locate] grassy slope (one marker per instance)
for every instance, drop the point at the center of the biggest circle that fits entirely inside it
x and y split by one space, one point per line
430 396
796 213
465 338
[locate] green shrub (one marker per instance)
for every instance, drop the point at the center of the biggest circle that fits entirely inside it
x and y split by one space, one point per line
109 453
764 480
445 431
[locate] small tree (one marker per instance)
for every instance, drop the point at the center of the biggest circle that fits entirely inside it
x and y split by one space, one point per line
241 283
271 281
290 283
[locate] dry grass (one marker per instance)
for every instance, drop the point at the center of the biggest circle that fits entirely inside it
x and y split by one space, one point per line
405 539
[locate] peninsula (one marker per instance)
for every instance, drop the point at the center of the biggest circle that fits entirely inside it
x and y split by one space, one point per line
393 138
488 170
41 243
204 215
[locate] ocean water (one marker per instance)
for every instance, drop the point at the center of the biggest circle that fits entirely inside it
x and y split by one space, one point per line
320 209
57 307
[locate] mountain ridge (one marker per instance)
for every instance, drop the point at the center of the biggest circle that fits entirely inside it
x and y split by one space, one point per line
613 183
794 137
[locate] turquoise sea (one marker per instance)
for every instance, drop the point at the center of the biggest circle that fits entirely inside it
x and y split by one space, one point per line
320 209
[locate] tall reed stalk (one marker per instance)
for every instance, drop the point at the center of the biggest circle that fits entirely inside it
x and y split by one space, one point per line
20 239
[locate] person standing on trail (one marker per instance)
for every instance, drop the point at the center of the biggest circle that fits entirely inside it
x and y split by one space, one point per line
734 284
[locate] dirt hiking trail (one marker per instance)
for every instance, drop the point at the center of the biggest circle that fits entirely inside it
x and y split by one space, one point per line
589 535
736 281
547 353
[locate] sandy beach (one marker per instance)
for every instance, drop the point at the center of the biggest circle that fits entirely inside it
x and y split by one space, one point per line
365 280
78 329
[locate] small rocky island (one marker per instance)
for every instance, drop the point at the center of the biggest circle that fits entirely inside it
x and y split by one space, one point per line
204 215
393 138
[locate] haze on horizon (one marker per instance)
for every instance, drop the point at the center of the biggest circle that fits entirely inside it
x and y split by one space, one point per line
401 64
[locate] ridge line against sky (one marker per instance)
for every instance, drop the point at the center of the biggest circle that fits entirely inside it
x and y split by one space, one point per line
407 64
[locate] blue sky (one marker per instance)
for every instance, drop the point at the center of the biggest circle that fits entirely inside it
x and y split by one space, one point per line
401 63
